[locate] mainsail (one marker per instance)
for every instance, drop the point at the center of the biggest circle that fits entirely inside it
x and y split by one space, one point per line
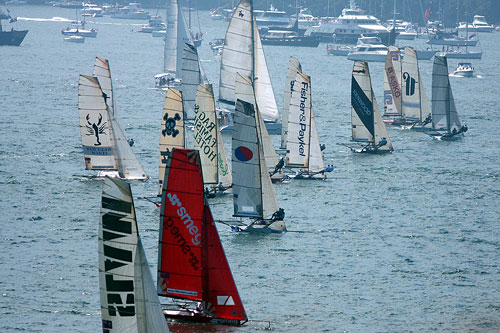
415 103
367 124
103 72
444 112
191 261
294 67
303 149
95 127
172 133
243 53
392 83
253 192
129 302
191 78
244 91
208 140
177 36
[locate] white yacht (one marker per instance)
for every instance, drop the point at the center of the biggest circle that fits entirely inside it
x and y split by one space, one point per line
369 53
464 69
478 25
133 11
351 24
272 17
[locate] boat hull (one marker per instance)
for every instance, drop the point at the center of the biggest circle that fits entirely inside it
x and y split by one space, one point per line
196 317
368 57
466 55
302 41
13 37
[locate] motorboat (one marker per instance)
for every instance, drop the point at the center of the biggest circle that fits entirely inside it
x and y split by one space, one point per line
351 24
339 50
479 24
91 10
464 69
459 54
272 17
132 12
369 53
289 38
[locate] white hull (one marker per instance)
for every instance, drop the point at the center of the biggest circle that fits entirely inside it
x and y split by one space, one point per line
368 57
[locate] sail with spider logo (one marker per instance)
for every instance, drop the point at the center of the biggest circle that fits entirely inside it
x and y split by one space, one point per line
294 67
244 91
172 133
303 149
243 53
392 83
367 124
129 302
208 139
192 265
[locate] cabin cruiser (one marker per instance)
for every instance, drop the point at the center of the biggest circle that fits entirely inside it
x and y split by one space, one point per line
91 10
351 24
369 53
464 69
133 12
478 25
271 18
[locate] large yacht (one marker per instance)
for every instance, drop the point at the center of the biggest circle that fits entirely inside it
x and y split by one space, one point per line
350 25
478 25
272 17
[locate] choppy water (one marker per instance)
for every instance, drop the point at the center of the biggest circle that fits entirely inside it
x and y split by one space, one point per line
409 241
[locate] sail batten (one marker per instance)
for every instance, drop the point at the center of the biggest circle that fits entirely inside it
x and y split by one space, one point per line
191 78
444 112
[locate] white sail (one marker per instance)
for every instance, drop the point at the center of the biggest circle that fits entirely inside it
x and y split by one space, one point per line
170 51
245 92
103 72
129 302
183 37
172 134
191 78
412 97
95 126
299 123
208 139
392 83
444 112
316 163
293 68
367 124
264 93
253 192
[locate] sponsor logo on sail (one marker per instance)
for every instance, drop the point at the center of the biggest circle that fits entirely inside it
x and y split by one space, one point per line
205 135
393 82
243 154
95 129
170 125
410 84
302 118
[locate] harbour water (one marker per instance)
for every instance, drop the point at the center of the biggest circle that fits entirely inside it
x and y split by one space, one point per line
409 241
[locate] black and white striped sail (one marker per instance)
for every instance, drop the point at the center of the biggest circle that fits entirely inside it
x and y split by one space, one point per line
177 35
105 146
103 72
208 139
444 112
294 67
253 192
129 302
243 53
192 76
392 83
415 103
302 148
172 132
245 92
367 124
95 126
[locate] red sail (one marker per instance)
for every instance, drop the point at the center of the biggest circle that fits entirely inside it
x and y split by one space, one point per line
222 293
179 253
192 263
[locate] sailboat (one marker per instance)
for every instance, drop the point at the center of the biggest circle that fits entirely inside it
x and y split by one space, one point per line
245 92
303 150
129 302
105 146
192 75
172 133
445 122
368 129
253 192
208 141
416 110
192 266
243 53
392 87
177 35
294 67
